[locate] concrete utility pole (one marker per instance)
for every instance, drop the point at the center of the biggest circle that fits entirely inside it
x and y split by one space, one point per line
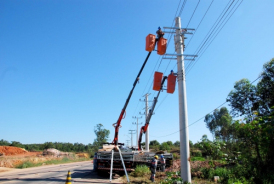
183 115
131 132
127 142
147 133
146 113
135 117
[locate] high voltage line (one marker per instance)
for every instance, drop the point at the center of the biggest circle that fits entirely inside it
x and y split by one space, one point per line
160 56
201 117
217 22
213 32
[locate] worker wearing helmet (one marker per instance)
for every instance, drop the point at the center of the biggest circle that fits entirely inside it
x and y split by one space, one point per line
160 33
153 166
163 163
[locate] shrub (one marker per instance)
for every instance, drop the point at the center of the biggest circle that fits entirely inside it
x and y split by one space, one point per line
140 170
197 159
175 156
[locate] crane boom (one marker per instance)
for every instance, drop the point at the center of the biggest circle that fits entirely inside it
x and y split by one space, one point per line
144 128
118 123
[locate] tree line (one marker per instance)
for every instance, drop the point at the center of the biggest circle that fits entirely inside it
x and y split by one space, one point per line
245 135
66 147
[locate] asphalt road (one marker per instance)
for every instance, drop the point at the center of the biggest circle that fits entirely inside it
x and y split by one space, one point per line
81 172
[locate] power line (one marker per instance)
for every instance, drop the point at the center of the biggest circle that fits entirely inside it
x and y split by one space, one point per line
200 23
212 30
215 35
203 116
182 8
193 13
159 57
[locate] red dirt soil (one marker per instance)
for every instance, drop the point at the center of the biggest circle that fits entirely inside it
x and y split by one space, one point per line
11 150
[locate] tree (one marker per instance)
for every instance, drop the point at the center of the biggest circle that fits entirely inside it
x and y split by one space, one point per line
154 143
243 99
165 146
219 123
265 88
101 136
190 144
4 142
177 144
256 143
17 144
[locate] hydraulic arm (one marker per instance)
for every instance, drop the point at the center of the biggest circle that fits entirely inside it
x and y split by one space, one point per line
144 128
117 125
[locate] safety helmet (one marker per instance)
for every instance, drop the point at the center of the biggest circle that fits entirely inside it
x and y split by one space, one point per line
156 156
162 156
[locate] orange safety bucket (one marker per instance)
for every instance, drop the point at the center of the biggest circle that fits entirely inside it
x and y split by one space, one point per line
150 42
161 46
157 81
171 83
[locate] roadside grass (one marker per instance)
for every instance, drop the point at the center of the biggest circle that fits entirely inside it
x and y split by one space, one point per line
140 170
198 159
27 164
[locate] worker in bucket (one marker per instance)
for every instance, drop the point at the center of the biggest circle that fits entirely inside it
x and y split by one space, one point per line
153 167
160 33
163 163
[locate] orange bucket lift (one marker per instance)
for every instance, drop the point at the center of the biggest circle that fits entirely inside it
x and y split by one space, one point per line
157 81
171 83
161 46
150 42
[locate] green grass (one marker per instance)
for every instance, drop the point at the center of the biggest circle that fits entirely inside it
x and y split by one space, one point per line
28 164
140 170
197 159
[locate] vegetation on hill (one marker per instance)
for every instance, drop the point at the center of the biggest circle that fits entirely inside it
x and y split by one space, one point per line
101 134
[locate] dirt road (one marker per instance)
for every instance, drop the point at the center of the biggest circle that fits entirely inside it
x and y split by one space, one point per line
81 172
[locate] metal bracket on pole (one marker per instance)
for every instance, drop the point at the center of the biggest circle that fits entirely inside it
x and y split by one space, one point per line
123 164
183 30
185 55
176 58
111 166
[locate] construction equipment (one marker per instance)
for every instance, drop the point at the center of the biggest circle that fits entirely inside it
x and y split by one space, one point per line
113 157
150 45
144 128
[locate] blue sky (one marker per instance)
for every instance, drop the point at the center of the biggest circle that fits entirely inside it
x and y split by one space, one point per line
66 66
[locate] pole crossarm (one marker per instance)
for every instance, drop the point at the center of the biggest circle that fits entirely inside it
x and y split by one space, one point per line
180 34
185 55
176 58
191 29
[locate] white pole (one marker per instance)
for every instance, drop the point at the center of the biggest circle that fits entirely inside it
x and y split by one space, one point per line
111 166
137 133
121 157
147 133
183 116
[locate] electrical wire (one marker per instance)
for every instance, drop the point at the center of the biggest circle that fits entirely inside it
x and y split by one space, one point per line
201 117
216 24
182 8
193 13
160 56
212 29
199 23
187 71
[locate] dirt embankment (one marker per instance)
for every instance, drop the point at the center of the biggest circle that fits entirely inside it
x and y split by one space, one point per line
11 150
12 157
195 166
